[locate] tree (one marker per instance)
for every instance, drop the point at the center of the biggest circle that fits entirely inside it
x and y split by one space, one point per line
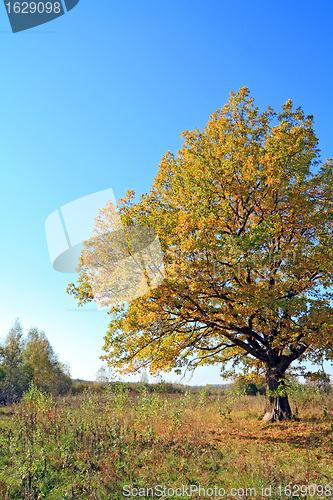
14 378
102 376
46 370
246 233
30 359
249 385
144 378
319 378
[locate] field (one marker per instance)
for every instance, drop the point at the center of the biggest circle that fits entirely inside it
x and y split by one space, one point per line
116 444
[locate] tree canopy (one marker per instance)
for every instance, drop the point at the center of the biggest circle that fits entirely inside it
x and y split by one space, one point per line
244 215
29 359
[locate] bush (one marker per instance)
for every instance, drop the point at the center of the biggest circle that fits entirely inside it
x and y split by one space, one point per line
249 386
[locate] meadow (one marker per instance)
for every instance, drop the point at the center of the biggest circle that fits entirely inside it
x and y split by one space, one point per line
116 444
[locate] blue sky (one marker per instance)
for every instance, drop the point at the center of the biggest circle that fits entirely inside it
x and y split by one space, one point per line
95 98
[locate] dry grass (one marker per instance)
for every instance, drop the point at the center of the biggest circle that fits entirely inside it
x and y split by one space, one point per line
91 446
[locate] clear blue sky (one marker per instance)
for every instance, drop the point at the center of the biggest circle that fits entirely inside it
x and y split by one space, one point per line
95 98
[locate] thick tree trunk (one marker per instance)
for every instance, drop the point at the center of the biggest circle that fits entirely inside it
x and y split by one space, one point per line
277 406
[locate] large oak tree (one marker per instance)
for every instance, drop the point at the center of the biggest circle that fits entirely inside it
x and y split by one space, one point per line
244 214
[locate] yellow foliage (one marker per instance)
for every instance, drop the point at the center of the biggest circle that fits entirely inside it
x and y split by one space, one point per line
246 232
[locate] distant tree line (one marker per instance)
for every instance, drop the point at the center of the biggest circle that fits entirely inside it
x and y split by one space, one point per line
24 360
254 384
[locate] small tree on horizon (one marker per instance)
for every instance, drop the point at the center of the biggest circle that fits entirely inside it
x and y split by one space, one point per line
15 378
30 360
47 372
246 233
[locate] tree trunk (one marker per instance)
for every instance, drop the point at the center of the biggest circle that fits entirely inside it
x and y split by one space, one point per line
277 406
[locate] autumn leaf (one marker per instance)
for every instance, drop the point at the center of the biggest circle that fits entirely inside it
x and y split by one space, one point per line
246 233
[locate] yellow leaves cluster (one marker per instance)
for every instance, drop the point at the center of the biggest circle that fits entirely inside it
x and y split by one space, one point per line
242 187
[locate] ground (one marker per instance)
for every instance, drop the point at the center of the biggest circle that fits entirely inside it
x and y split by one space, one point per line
115 444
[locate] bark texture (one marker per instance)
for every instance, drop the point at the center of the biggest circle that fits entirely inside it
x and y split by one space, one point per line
277 406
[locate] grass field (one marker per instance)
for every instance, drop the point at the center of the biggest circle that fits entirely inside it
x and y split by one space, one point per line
117 444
